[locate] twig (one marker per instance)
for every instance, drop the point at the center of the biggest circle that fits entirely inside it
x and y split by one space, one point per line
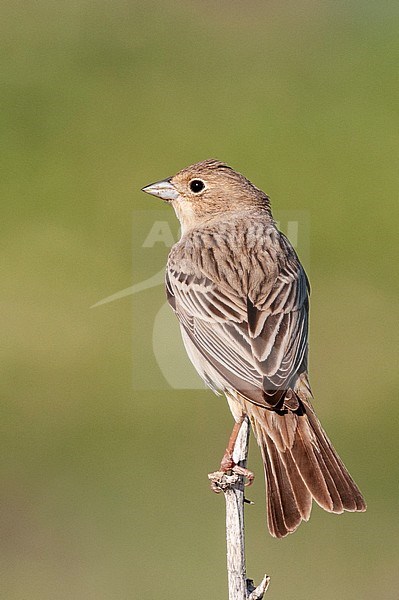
232 486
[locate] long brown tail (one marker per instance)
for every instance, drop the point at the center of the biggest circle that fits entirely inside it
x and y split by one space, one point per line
300 465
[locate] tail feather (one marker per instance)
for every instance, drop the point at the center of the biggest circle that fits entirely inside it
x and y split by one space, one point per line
310 466
352 499
288 499
282 491
275 507
302 494
300 465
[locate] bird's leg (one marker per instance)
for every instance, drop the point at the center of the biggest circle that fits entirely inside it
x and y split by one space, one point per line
227 462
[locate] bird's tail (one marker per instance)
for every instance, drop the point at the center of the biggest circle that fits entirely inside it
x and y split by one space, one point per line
300 465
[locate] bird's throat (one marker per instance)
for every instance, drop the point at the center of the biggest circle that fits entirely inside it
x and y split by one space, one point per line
186 215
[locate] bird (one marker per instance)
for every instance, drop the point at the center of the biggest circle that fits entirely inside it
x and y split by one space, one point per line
241 297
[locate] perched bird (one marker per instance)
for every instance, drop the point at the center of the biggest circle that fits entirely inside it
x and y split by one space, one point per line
242 298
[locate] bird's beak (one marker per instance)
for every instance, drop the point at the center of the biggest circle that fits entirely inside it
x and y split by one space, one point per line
162 189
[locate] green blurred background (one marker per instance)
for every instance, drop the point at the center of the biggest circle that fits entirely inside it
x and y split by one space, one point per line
104 493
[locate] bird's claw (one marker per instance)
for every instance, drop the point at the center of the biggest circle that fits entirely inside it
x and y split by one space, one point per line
249 475
228 464
227 470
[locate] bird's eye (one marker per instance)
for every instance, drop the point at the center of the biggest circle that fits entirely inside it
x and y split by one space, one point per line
196 185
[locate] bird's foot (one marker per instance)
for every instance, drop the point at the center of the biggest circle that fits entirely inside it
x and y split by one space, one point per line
246 473
228 467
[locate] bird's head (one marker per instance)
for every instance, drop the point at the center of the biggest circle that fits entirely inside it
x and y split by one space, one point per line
207 189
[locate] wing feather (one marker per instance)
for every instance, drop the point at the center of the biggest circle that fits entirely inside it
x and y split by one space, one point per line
252 339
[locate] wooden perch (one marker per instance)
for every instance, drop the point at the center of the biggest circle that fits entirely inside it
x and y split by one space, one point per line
232 486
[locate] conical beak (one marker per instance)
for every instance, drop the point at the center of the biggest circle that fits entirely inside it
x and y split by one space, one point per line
162 189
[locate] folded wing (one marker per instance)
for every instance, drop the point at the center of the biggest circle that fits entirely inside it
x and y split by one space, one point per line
254 337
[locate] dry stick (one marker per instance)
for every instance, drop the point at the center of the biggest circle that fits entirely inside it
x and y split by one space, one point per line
232 486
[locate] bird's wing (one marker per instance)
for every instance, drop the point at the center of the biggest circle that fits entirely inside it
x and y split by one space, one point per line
256 341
